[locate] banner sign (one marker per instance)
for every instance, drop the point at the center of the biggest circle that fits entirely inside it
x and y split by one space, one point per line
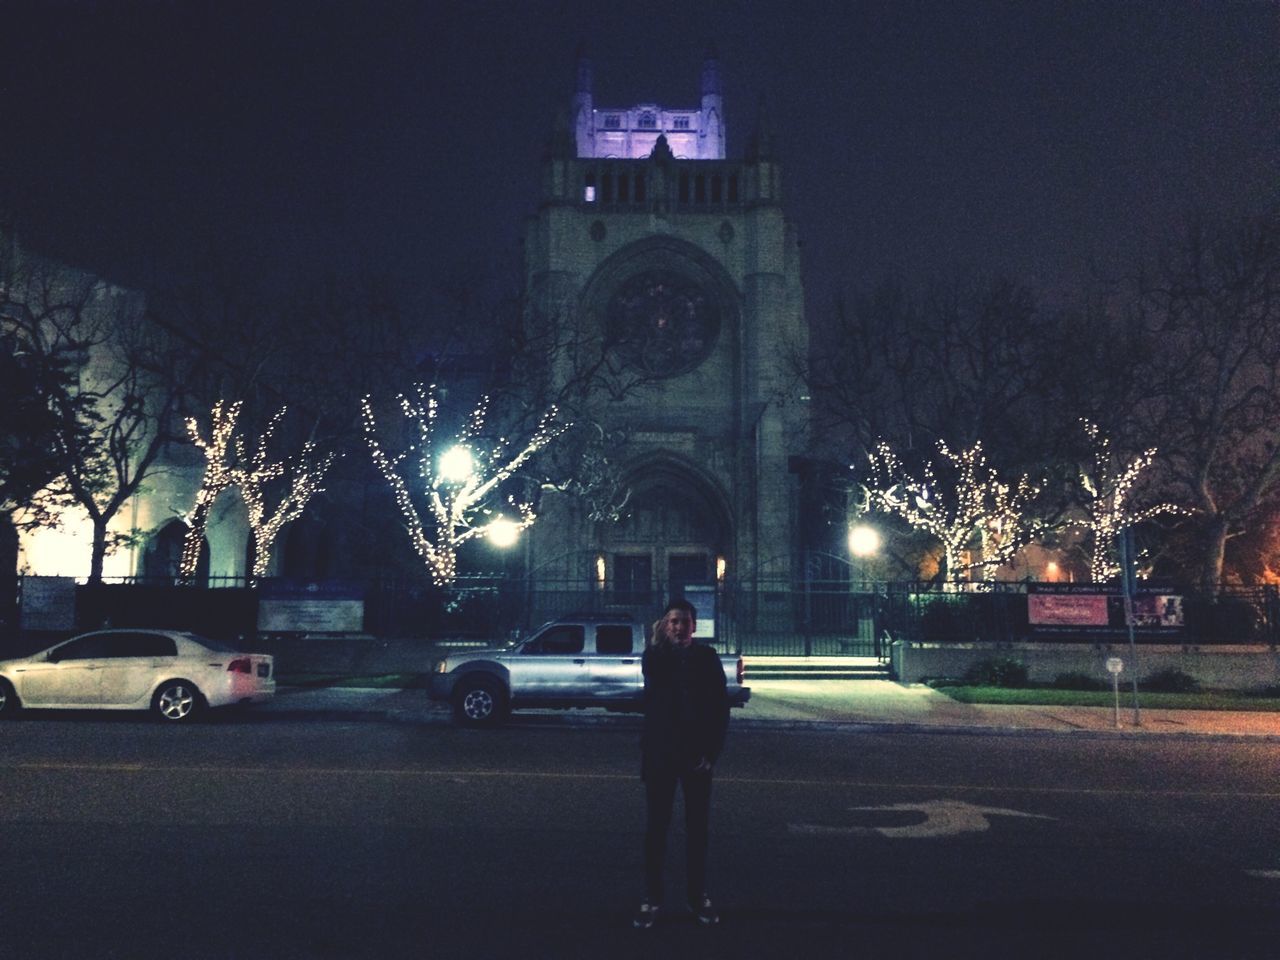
1084 609
1067 610
48 603
703 599
326 606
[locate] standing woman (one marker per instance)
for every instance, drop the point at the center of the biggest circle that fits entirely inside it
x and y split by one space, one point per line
686 715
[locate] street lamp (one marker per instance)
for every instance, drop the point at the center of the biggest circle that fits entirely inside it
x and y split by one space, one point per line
502 532
864 540
456 465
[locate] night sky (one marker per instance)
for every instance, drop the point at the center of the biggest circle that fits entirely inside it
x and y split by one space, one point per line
283 140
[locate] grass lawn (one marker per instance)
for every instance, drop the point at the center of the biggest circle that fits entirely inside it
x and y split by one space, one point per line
1207 700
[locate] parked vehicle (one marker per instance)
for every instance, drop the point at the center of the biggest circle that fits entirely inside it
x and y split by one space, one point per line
567 663
174 674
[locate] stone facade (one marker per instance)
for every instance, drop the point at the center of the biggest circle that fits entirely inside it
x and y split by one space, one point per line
685 273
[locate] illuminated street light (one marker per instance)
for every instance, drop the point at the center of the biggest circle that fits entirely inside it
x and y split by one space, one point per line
503 532
456 465
864 541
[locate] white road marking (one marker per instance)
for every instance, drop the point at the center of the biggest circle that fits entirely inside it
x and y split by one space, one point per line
942 818
1264 874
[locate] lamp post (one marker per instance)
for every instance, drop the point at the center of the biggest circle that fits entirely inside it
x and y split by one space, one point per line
864 542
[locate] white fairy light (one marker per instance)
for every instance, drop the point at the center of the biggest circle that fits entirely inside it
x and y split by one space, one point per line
978 505
218 476
1108 491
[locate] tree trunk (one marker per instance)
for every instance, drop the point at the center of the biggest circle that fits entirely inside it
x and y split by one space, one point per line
1215 549
190 563
251 558
98 557
947 565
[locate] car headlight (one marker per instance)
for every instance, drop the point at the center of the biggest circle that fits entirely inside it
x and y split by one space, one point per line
442 666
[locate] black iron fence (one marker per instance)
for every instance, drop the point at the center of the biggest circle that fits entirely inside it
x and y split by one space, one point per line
813 618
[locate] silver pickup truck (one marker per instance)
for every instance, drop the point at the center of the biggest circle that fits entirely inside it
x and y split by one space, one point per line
578 662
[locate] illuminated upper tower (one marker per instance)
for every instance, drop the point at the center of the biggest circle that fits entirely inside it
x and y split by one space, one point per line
630 133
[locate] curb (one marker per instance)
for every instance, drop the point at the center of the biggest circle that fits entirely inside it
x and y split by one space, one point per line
577 718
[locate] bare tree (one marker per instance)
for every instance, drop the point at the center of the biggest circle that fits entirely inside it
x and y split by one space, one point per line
1210 312
117 415
959 361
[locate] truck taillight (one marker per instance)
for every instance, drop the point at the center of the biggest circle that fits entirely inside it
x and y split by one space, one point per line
742 672
240 665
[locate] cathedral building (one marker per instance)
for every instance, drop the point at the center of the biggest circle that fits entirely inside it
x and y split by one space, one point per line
653 248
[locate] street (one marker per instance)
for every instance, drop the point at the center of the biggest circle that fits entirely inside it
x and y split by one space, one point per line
258 836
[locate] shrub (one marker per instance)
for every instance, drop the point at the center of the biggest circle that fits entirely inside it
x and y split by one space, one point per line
1170 681
997 672
1079 681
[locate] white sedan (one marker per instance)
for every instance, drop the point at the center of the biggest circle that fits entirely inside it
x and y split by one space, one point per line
174 674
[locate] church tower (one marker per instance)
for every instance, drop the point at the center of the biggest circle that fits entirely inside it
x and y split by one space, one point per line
671 275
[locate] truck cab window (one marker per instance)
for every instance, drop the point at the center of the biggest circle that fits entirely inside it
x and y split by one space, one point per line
613 638
567 638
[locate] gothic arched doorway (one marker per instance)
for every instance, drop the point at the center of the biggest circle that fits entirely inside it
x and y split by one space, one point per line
676 536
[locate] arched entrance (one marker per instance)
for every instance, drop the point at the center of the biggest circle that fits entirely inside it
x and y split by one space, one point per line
677 535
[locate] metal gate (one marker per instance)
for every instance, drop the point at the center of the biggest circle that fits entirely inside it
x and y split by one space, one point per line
807 620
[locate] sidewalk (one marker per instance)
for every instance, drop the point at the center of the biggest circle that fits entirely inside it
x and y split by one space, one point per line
833 705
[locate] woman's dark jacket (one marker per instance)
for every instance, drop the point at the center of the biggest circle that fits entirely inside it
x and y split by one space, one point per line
686 708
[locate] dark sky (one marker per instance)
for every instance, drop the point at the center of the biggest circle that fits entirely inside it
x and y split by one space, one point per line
1021 137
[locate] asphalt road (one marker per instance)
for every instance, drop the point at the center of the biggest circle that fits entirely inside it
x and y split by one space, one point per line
269 837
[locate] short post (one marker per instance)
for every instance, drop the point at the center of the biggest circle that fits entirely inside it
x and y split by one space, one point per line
1114 666
1128 581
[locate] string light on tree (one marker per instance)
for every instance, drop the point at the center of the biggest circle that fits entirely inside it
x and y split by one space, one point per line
446 503
1109 490
303 476
219 475
971 506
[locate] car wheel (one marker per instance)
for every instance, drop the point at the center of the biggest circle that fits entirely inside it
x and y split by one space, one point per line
9 704
479 703
177 701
